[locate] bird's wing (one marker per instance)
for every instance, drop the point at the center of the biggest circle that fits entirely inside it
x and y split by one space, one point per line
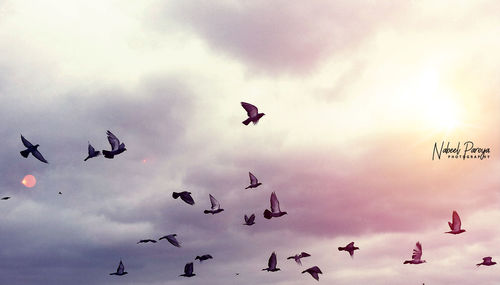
26 142
272 261
186 197
113 141
251 219
456 221
246 219
487 259
314 274
304 254
417 252
253 179
316 269
214 202
188 269
275 204
121 268
39 156
351 244
173 240
252 111
92 151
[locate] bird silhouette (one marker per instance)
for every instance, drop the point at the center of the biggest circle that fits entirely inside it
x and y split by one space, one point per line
120 270
116 146
314 271
33 149
249 221
188 270
271 264
254 182
455 224
297 257
171 239
203 257
215 206
416 256
146 241
92 152
486 262
6 198
185 196
275 208
349 248
252 112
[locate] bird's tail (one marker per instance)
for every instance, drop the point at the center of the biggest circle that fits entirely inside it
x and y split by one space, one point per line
341 248
175 195
107 154
206 212
247 121
406 262
267 214
25 153
86 158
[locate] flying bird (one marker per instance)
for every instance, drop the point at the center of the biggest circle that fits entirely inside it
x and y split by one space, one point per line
416 257
33 149
60 193
314 271
5 198
203 257
146 241
254 182
252 112
297 257
120 270
185 196
92 152
455 224
486 261
249 221
275 208
215 206
171 239
188 270
116 146
271 264
349 248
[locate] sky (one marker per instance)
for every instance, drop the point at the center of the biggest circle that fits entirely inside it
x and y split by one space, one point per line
355 95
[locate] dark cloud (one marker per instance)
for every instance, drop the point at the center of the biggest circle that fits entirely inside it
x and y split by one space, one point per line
281 36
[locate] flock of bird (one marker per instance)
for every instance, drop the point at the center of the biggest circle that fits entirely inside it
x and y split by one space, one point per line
274 212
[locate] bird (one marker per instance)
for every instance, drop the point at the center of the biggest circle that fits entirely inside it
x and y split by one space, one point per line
486 261
185 196
314 271
254 182
349 248
33 149
275 208
252 112
60 193
416 257
171 239
116 146
6 198
271 264
215 206
120 270
188 270
146 241
203 257
297 257
249 221
455 225
92 152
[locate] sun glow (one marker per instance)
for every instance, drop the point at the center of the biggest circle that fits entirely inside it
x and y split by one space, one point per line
436 106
